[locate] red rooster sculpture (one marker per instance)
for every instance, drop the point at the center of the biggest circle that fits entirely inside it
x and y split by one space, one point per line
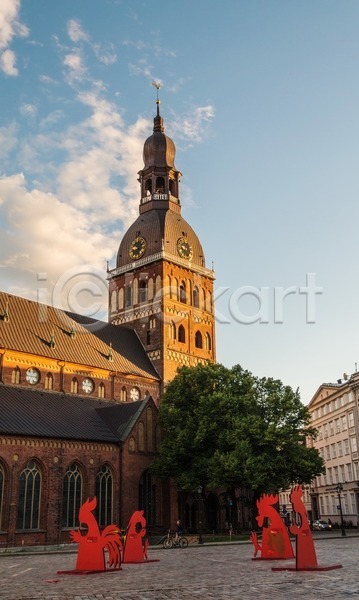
92 545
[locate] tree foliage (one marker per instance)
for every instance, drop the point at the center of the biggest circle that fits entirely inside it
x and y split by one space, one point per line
226 428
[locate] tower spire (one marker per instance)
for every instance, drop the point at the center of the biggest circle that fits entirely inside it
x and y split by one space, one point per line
157 121
157 85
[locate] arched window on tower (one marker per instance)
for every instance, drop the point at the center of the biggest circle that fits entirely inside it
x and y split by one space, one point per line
128 296
158 285
195 296
49 382
148 187
113 300
160 185
209 302
141 437
135 291
143 291
208 342
101 390
120 299
203 299
74 386
182 292
15 376
198 339
181 334
172 185
123 395
172 331
150 289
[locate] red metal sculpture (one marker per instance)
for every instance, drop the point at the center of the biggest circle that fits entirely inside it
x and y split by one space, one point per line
92 545
275 539
135 549
306 558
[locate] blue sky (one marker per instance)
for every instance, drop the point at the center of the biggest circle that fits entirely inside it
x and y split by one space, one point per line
261 98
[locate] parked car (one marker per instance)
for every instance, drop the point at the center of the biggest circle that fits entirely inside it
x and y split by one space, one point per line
321 525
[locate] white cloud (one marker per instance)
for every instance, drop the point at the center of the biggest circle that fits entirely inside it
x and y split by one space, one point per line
192 126
8 139
10 26
7 63
75 31
76 68
28 110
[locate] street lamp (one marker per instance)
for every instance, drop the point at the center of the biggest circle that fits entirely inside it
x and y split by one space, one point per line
339 489
200 540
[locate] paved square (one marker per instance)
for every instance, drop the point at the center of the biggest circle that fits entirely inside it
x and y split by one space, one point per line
200 572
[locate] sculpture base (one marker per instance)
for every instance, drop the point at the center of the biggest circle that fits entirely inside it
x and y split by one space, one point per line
140 562
317 568
83 572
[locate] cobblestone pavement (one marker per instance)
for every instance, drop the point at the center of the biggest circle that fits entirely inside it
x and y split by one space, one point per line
202 572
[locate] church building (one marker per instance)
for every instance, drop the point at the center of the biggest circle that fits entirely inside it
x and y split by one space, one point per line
79 398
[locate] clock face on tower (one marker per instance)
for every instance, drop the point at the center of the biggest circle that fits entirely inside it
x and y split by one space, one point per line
137 247
87 386
32 376
184 248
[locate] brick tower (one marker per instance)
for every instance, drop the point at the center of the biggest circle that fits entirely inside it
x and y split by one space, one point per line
161 287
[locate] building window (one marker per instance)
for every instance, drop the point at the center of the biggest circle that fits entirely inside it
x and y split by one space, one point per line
208 341
346 446
28 514
49 382
172 331
198 339
120 299
143 292
152 322
181 334
123 395
182 292
147 498
150 289
71 496
2 483
141 437
104 495
101 390
350 472
132 444
344 423
15 376
148 338
195 297
128 295
353 443
149 422
351 419
74 386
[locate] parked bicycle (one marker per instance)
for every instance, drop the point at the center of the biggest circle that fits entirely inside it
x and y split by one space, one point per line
170 541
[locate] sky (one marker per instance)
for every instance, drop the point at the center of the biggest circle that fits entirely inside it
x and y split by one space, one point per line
261 99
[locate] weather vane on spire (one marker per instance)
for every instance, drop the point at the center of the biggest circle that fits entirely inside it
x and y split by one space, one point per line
157 85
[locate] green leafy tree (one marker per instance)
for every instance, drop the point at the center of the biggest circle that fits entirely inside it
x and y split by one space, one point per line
225 428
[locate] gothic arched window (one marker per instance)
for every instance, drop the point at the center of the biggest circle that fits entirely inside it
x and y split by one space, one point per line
15 376
128 295
182 292
195 296
74 386
143 291
71 496
147 497
104 495
208 342
123 395
141 437
28 512
160 185
198 339
101 390
49 382
181 334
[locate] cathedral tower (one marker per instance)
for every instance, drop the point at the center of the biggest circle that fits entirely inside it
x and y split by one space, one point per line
161 287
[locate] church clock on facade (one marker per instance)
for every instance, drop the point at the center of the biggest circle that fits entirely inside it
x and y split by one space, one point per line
160 286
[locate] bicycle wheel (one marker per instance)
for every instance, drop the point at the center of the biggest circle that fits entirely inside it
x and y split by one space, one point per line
183 542
168 543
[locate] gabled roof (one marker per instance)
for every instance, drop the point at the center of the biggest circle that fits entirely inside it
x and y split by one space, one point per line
31 325
45 414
